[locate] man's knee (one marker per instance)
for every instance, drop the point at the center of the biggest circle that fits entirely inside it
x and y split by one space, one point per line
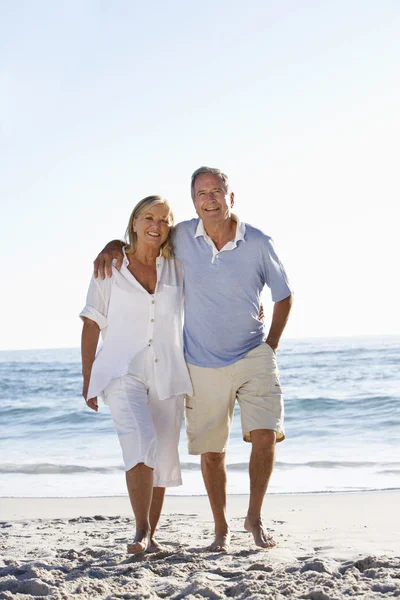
263 438
212 459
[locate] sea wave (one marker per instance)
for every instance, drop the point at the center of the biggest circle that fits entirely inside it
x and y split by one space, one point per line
61 469
321 464
53 469
342 419
336 403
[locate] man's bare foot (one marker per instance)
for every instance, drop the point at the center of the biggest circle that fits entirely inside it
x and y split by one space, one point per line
262 538
140 543
154 546
221 542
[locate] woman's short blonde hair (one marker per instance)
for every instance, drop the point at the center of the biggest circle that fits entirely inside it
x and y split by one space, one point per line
131 237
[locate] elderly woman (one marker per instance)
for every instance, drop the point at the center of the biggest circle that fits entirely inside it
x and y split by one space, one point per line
139 370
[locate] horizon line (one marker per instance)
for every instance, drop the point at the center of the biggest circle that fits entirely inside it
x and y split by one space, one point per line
289 339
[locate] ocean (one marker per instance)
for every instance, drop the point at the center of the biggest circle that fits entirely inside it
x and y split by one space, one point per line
342 416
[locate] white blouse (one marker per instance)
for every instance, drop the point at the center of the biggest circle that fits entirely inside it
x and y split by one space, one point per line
131 319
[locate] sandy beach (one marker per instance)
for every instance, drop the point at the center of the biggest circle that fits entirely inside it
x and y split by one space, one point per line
330 546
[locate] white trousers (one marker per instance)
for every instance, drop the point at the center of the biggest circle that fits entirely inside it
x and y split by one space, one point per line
148 428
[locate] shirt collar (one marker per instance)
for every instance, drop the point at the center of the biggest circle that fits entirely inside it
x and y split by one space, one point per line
125 260
240 229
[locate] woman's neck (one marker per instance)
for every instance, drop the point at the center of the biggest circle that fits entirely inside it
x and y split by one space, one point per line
146 256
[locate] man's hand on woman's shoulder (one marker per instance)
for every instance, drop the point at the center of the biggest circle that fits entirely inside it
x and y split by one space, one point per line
103 262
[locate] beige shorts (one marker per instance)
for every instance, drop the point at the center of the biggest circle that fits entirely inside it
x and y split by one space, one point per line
253 381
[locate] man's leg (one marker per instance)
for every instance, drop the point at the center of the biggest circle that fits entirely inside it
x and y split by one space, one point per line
261 464
208 418
261 409
214 475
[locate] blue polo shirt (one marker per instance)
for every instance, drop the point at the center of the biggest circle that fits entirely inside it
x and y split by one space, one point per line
223 289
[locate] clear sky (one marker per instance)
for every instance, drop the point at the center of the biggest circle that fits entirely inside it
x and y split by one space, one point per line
103 103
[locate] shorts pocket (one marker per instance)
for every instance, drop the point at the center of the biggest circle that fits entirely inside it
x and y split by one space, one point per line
269 384
267 372
190 418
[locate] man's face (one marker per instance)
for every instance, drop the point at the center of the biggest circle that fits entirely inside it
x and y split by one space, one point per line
211 199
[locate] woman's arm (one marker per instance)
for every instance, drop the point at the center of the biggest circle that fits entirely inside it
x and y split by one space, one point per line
89 340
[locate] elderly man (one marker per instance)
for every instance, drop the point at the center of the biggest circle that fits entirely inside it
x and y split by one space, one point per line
227 263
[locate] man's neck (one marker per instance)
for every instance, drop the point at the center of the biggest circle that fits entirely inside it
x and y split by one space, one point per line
221 233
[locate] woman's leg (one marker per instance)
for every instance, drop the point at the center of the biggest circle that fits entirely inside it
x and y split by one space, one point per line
167 419
139 481
128 403
155 512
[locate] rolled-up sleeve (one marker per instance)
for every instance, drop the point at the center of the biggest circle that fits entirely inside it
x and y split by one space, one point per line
97 301
274 272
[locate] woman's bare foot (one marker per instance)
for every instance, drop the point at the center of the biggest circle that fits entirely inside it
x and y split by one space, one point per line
154 546
262 538
221 542
140 543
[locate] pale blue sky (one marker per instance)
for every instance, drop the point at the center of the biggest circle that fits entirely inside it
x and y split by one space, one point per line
103 103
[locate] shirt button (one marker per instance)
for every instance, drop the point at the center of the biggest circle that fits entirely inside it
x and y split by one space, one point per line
151 320
156 360
153 301
150 340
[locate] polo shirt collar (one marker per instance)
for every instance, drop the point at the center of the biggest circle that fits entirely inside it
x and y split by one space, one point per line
240 229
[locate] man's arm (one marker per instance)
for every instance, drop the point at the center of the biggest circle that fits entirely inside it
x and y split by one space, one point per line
279 319
103 262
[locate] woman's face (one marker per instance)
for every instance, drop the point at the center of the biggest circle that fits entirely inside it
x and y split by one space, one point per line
152 226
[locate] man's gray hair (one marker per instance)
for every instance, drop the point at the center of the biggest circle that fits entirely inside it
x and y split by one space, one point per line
209 171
